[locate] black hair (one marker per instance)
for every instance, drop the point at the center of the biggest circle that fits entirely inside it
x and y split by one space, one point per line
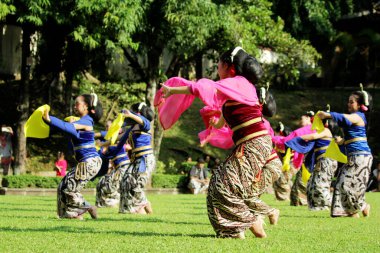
269 103
360 99
285 130
245 64
144 110
89 99
309 114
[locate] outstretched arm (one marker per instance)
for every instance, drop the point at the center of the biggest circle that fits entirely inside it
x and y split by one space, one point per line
168 91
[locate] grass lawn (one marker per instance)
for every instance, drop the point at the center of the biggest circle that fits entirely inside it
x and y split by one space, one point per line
179 224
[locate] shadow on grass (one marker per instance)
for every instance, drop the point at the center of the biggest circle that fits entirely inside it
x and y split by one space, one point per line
67 229
152 220
26 209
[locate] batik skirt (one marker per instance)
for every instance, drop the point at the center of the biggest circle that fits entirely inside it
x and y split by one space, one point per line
318 186
108 188
233 201
351 185
298 191
70 202
133 183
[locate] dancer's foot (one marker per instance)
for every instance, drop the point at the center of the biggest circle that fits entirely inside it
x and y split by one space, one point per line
93 212
240 235
258 228
366 210
274 216
148 208
355 215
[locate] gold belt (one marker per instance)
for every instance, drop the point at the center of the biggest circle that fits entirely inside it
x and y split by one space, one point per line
119 156
250 136
247 123
122 163
84 146
141 148
355 140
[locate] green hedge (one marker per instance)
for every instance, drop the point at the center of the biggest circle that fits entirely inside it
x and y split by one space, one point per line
169 181
24 181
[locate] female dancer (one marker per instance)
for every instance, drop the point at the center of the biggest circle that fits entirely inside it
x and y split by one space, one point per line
318 186
233 196
348 196
108 188
142 164
71 203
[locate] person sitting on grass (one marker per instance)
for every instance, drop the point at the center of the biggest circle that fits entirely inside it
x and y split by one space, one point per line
198 177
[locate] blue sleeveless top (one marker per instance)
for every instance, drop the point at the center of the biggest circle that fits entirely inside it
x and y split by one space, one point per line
355 136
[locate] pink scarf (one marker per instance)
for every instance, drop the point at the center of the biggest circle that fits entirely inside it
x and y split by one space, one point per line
213 95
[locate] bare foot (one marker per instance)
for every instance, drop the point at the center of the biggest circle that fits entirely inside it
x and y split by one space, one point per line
141 211
148 208
274 216
366 210
257 228
241 236
93 212
355 215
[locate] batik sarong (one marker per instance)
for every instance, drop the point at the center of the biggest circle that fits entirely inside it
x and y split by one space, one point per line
318 187
132 187
108 188
351 185
233 201
298 191
70 202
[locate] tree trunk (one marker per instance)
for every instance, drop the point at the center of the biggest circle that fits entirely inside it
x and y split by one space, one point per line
20 150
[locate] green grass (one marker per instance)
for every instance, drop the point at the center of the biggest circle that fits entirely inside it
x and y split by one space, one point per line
179 224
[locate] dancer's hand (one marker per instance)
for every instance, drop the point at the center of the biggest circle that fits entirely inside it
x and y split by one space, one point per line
323 115
127 113
166 91
46 116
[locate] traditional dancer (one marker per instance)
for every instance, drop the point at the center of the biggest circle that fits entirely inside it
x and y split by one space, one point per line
349 192
108 187
282 185
321 167
233 197
71 203
142 164
298 190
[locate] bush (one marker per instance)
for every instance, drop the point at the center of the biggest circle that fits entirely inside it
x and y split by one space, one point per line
186 167
24 181
160 167
169 181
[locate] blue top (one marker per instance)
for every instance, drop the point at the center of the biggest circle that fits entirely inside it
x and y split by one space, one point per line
355 136
140 140
314 149
83 141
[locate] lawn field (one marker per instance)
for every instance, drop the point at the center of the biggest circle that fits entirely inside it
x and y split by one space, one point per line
179 224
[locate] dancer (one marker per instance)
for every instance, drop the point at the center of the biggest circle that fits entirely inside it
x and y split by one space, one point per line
282 185
233 197
349 192
71 203
298 190
108 187
321 167
142 164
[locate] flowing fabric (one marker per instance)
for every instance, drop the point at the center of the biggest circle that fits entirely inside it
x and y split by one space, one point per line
114 129
213 95
279 141
334 152
35 127
317 124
